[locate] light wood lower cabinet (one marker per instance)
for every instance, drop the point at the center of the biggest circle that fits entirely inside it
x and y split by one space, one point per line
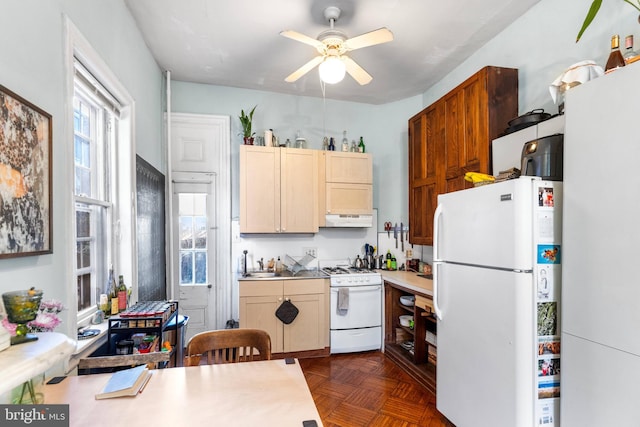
259 300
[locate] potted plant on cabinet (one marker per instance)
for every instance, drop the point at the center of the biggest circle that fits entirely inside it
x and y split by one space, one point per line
245 121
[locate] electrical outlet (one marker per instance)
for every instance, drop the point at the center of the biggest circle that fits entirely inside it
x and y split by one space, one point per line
311 251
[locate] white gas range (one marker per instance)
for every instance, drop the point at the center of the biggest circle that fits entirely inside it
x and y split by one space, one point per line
356 308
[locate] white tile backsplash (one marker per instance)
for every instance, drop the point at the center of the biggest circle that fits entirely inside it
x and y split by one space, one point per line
330 243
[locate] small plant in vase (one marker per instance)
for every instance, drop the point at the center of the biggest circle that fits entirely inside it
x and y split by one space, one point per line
246 121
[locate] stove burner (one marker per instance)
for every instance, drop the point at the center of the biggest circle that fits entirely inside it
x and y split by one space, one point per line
347 270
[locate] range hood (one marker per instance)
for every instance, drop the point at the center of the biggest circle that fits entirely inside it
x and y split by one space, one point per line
354 221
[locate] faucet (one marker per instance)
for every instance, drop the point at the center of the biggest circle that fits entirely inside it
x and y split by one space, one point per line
244 267
261 264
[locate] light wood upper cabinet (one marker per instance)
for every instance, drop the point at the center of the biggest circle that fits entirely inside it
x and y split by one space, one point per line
348 199
453 136
260 299
348 167
348 184
278 190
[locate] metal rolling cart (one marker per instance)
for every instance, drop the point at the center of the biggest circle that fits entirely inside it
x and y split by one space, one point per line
157 319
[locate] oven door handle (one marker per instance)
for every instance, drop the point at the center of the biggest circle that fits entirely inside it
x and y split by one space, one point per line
354 289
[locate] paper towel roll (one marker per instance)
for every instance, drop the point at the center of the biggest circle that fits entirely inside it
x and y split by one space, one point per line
268 138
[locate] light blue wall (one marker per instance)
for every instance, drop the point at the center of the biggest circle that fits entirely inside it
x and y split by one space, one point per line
33 66
541 45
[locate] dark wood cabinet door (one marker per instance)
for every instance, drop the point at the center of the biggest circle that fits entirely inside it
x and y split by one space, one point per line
452 137
425 139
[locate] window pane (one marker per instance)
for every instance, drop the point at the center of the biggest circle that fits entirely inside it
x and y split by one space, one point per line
92 237
200 232
83 224
185 204
84 291
83 255
186 267
186 232
201 268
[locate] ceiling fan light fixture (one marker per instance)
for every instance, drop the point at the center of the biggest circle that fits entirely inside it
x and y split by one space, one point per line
332 70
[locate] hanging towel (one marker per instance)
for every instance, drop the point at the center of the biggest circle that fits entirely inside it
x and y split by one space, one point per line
343 300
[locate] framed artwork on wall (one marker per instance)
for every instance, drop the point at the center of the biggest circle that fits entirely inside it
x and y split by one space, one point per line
25 177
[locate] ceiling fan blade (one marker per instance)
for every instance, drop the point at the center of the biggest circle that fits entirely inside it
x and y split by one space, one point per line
294 35
357 72
379 36
304 69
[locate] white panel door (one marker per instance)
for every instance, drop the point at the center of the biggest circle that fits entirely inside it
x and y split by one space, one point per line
200 165
195 234
486 347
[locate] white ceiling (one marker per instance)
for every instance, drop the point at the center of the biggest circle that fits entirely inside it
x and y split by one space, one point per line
237 43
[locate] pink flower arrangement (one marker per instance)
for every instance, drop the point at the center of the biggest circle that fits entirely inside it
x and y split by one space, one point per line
46 320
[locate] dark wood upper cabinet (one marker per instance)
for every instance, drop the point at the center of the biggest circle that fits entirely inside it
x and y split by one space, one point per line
453 136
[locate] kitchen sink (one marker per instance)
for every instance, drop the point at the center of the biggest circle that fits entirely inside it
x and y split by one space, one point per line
262 274
426 276
285 274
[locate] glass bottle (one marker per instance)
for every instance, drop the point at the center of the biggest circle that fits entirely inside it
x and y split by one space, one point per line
630 55
122 294
113 293
354 146
325 143
345 141
615 60
107 290
332 144
361 146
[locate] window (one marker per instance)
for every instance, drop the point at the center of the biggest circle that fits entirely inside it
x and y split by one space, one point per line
192 221
102 181
95 124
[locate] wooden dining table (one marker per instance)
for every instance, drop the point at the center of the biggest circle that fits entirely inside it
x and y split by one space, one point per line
262 393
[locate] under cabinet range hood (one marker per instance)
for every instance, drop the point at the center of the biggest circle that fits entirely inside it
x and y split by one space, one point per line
335 221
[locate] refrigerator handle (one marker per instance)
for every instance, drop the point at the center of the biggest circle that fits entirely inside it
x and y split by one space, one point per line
436 232
436 307
436 259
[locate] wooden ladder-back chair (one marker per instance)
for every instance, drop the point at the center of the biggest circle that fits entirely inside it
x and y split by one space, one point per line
228 346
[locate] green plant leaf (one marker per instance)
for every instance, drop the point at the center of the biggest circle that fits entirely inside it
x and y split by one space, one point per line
593 10
631 3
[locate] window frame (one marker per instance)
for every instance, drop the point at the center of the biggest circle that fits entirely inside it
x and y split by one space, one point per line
102 201
123 155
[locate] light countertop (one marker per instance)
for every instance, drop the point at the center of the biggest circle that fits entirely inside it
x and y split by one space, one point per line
409 280
283 275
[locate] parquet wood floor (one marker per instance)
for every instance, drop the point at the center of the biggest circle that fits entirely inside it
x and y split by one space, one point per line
368 389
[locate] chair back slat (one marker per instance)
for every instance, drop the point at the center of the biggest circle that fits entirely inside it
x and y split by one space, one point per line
228 346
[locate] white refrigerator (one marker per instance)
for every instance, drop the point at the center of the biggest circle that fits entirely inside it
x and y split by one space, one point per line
497 273
601 279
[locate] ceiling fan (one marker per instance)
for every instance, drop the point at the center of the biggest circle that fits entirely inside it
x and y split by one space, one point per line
333 45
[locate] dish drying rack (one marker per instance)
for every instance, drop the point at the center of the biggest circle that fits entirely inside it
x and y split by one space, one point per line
297 264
